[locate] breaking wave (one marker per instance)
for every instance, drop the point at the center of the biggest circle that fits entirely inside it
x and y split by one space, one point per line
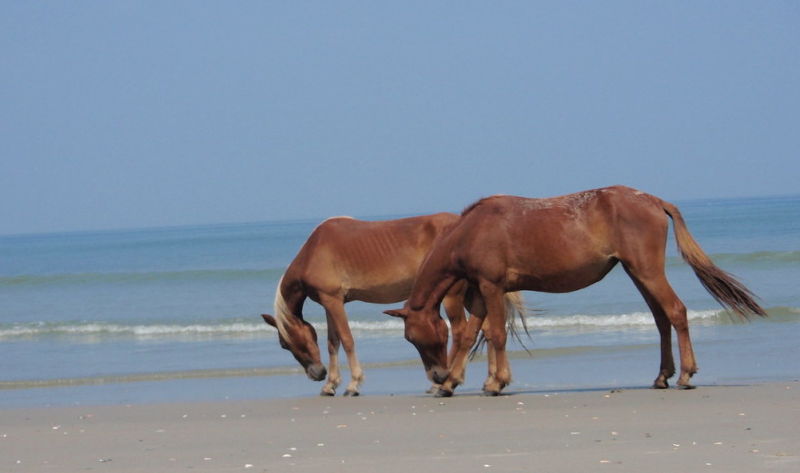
254 327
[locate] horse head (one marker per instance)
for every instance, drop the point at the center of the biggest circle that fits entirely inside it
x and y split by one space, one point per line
300 338
426 330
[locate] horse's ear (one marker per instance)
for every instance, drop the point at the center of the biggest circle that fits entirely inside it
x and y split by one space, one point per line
270 320
402 313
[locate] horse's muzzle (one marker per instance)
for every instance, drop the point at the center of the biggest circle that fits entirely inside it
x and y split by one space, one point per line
316 372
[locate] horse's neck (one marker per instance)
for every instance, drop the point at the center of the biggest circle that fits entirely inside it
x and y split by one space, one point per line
293 296
434 279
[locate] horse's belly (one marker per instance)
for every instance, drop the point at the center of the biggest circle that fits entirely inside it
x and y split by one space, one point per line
559 280
386 293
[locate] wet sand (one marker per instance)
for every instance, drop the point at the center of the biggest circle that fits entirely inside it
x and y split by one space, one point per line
710 429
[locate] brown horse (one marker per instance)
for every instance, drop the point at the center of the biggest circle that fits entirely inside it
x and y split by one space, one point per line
561 244
345 259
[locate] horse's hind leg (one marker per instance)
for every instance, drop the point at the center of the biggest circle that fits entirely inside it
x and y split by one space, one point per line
667 368
668 310
491 360
337 318
334 377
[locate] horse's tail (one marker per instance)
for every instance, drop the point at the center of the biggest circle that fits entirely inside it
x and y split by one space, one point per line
730 293
515 309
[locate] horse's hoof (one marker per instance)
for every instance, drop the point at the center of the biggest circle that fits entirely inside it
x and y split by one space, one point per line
687 386
327 393
490 393
660 384
443 393
351 393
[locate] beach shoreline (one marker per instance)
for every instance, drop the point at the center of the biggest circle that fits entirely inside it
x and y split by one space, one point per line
731 428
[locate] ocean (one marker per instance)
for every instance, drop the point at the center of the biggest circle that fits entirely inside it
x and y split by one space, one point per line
172 314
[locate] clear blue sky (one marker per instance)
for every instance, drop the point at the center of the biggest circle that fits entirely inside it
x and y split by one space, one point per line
127 114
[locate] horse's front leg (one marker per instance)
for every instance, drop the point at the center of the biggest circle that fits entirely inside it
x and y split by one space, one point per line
453 304
334 377
459 362
337 317
496 338
475 305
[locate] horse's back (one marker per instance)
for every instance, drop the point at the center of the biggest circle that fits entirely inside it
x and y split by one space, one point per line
557 244
361 243
594 211
367 260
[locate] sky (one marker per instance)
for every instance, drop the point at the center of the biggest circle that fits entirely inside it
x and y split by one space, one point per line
138 114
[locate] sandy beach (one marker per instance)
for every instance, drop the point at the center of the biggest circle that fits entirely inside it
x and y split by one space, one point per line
713 428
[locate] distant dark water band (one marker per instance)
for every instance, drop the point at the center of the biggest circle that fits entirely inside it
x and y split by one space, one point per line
759 259
201 275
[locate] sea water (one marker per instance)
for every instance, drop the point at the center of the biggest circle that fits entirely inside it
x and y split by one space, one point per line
172 314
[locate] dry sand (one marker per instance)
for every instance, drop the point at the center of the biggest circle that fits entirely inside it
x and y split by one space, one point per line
711 429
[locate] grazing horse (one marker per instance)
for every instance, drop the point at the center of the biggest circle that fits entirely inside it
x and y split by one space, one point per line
345 259
561 244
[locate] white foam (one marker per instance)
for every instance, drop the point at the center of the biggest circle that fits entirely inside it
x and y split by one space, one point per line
634 319
239 328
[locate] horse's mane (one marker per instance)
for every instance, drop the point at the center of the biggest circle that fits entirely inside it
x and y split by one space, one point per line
472 206
282 312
